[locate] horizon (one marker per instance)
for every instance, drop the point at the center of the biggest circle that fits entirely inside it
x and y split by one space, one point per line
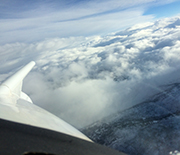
38 20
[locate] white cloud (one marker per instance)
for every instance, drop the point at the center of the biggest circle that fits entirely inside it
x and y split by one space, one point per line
59 19
82 79
37 28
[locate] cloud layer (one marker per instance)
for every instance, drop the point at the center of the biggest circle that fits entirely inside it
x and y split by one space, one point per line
36 20
83 79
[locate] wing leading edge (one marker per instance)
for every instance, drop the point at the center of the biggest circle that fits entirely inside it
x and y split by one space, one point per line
11 89
17 106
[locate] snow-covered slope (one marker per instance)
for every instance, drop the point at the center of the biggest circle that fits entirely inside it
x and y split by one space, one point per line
151 127
83 79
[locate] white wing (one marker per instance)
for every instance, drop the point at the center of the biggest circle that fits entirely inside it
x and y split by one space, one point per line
16 106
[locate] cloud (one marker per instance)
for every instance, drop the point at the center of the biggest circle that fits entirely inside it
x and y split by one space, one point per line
82 79
37 20
39 28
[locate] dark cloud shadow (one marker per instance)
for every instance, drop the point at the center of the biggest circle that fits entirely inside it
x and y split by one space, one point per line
174 24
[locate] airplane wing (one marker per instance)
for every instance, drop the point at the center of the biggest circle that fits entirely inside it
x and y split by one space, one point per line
29 126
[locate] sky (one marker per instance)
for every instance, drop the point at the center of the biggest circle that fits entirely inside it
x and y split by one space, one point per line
93 58
165 10
31 21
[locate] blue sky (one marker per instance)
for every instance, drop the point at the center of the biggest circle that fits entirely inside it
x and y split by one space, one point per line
31 21
53 34
166 10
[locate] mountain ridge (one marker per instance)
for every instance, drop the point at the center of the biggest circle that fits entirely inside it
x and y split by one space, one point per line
151 127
